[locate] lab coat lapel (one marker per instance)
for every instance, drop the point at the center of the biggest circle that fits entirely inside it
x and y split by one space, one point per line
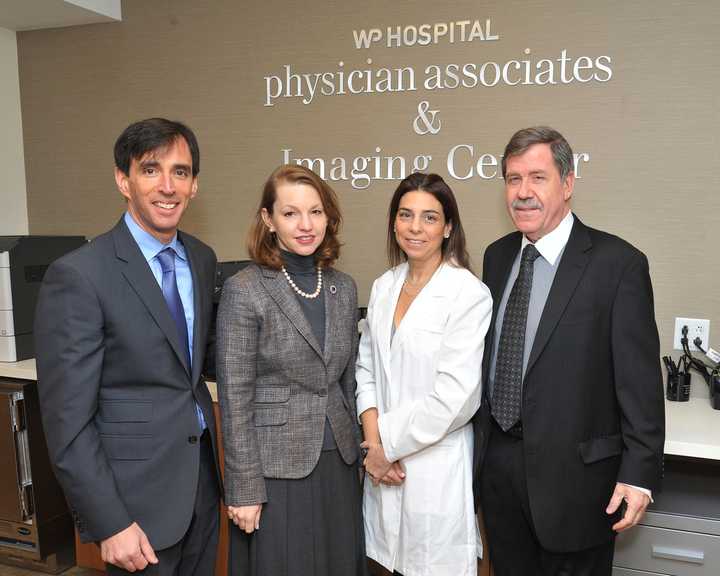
386 318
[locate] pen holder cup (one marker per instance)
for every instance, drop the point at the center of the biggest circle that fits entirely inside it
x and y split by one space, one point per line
678 387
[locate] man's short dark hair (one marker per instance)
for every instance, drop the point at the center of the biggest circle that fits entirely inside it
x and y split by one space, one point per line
152 134
561 151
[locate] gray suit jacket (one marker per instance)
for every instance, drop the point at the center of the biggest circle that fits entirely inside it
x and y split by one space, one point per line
276 385
116 394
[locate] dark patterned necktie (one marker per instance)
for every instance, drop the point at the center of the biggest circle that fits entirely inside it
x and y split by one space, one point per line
507 389
172 297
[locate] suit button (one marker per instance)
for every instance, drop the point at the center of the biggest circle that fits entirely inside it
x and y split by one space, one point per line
192 439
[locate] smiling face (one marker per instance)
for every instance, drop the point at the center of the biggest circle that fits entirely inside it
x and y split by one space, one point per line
298 218
420 226
537 198
158 188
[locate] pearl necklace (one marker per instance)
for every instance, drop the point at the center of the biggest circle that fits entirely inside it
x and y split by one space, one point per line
300 292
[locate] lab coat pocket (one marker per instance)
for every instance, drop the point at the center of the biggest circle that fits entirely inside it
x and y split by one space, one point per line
426 337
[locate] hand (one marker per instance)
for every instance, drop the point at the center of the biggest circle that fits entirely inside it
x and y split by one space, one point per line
246 518
375 463
637 501
129 549
395 476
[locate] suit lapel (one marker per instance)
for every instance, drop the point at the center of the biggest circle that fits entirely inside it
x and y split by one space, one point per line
496 278
137 272
331 313
572 265
199 319
280 291
386 318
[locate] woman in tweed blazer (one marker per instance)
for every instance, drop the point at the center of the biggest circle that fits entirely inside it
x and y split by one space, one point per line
287 341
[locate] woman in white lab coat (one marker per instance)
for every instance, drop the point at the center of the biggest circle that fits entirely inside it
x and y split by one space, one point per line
418 386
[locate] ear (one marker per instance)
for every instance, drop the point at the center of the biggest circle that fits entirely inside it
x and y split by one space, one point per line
121 180
568 186
447 230
194 189
267 220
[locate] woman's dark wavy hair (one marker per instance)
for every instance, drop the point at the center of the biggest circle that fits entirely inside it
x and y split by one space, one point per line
454 250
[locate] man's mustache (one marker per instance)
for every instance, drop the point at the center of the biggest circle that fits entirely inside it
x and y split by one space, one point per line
526 204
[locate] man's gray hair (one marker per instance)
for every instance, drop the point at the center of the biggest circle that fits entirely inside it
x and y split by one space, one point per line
523 139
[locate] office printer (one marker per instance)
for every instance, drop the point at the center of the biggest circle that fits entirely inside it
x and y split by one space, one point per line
23 261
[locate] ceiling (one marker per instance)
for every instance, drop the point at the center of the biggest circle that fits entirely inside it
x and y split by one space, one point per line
34 14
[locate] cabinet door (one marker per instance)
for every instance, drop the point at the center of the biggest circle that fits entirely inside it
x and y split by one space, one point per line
10 503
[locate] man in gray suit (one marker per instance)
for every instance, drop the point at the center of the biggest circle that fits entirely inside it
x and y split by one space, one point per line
121 331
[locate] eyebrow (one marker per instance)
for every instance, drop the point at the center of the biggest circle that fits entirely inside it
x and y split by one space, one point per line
430 211
150 163
293 207
538 171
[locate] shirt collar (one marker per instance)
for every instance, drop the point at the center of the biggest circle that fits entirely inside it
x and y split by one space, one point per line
148 244
553 243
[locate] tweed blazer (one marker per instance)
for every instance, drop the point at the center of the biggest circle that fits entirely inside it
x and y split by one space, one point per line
275 383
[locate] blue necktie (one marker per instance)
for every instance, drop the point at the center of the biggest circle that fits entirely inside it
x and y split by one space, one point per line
172 297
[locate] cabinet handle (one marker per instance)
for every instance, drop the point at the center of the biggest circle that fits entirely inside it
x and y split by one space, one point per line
694 556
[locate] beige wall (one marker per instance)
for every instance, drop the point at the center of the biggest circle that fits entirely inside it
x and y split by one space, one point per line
651 130
13 205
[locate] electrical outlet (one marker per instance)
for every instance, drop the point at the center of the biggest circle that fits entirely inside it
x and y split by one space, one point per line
696 328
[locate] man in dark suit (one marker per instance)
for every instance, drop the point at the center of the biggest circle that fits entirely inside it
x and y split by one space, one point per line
572 420
121 330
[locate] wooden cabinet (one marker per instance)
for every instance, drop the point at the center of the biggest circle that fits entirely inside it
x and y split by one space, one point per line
35 524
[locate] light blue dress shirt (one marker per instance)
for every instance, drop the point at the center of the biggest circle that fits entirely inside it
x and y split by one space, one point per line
150 248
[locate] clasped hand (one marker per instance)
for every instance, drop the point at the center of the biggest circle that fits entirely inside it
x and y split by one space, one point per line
247 518
379 468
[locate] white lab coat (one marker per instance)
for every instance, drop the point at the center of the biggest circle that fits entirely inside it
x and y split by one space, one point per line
426 386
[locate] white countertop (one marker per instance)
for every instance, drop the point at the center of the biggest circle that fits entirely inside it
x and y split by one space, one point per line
25 370
693 427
